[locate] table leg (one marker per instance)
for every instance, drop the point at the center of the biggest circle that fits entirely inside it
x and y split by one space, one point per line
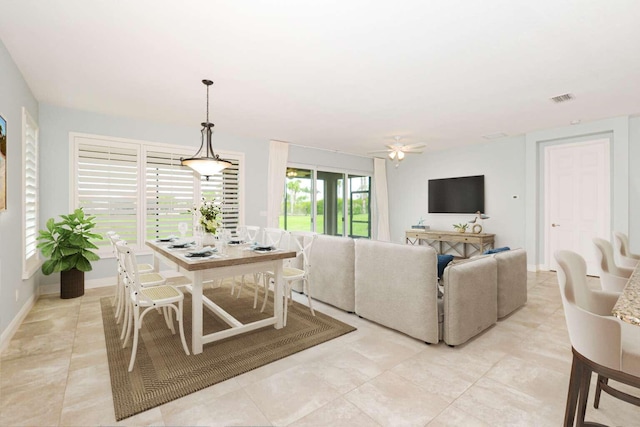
156 263
196 313
278 294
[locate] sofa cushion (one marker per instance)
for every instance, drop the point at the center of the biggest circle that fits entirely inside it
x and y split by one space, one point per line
396 287
496 250
443 261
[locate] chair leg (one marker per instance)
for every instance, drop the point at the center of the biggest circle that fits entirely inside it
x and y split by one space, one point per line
572 395
233 285
167 318
125 319
266 280
585 382
308 292
181 327
601 380
130 322
134 349
240 287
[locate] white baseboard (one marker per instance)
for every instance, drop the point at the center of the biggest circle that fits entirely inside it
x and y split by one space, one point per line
537 267
8 333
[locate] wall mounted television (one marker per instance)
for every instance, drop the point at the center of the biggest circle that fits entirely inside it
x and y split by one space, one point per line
457 195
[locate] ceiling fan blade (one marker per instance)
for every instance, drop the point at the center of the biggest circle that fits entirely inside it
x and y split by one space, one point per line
413 146
413 152
379 151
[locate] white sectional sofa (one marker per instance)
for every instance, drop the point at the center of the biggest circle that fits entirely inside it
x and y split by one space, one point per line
397 286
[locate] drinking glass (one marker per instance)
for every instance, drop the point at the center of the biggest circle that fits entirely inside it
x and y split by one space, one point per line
183 227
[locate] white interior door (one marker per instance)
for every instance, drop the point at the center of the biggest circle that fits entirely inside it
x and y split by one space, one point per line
577 199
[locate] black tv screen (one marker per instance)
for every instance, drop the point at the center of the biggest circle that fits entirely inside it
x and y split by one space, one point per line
457 195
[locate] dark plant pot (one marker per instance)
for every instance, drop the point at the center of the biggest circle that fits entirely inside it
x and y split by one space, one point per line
71 283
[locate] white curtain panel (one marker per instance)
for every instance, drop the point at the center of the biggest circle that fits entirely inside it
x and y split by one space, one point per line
382 199
278 155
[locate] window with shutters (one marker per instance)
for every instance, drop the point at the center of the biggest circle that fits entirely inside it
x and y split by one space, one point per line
139 189
30 196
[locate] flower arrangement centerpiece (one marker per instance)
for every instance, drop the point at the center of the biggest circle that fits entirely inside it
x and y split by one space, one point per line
208 214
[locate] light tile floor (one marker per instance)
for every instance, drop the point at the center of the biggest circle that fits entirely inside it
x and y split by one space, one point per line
55 372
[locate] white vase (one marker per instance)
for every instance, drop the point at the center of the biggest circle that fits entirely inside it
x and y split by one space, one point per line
208 239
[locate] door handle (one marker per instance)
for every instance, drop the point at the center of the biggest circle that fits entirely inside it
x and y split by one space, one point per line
555 225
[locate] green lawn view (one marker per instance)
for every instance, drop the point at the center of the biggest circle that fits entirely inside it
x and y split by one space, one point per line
303 223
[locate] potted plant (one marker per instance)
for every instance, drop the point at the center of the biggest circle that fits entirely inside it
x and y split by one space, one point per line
461 228
68 246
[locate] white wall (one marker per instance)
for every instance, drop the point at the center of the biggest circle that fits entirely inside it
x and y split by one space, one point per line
14 94
502 164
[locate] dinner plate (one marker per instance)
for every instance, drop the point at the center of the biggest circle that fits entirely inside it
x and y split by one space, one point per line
235 242
198 254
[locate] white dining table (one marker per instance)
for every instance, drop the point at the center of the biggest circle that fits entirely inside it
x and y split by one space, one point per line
236 261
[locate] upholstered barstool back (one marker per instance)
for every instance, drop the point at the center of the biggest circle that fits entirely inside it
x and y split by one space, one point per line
621 244
612 277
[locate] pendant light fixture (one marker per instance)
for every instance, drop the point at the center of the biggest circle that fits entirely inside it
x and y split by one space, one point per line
211 163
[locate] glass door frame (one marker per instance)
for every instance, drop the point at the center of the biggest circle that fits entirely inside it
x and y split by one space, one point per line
346 229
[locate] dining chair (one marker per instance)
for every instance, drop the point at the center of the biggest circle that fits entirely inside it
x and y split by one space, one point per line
626 258
270 237
600 343
301 242
612 277
165 297
119 300
248 234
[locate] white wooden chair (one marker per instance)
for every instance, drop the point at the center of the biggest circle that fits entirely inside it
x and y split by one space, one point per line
248 234
165 297
301 242
119 299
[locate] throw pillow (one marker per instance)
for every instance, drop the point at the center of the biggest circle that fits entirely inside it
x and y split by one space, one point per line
443 261
496 250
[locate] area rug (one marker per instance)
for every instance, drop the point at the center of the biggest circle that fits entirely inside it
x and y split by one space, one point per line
163 372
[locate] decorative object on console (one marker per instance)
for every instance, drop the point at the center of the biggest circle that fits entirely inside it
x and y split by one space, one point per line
397 151
211 163
420 225
477 222
461 228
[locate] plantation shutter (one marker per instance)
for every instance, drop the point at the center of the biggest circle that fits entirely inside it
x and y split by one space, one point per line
224 187
31 195
169 193
107 187
139 190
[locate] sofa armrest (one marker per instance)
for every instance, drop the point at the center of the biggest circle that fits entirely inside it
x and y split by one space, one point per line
470 299
512 280
331 271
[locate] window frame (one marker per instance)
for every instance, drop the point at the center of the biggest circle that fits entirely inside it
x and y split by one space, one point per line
30 264
143 147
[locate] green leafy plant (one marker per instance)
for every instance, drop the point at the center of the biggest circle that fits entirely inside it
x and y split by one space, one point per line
461 227
68 244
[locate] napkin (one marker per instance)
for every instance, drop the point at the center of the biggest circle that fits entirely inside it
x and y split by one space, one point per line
206 251
167 239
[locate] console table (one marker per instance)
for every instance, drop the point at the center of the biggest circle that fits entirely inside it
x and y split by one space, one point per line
450 242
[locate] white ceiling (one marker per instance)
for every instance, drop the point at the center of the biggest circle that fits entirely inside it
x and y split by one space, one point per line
344 75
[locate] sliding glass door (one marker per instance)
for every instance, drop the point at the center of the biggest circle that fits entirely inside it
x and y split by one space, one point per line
314 200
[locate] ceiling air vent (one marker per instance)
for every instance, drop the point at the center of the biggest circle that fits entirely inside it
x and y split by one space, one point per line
563 98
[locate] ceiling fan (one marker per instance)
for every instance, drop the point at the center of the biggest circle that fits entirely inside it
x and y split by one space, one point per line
397 151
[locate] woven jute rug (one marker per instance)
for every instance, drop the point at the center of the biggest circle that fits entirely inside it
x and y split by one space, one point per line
163 372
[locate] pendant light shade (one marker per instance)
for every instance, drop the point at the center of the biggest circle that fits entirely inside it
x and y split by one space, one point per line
211 163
